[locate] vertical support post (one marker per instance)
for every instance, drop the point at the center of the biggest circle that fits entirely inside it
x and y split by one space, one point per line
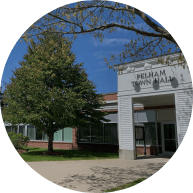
133 125
177 119
144 141
127 148
156 132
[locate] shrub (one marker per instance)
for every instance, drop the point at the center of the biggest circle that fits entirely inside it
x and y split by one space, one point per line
18 140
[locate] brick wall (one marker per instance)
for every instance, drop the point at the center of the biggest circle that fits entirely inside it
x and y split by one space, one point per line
109 97
150 150
58 145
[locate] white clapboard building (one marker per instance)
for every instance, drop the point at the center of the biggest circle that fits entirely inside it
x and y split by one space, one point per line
155 103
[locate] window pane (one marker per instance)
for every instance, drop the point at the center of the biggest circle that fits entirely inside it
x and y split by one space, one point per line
170 145
22 129
160 149
150 134
84 134
146 116
8 128
97 134
14 129
110 130
38 134
67 134
45 137
159 133
58 135
141 142
169 131
135 117
30 132
113 117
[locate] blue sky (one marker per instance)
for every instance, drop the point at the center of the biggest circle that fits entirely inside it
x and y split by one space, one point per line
88 50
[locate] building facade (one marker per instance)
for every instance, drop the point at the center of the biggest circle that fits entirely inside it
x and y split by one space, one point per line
155 103
149 114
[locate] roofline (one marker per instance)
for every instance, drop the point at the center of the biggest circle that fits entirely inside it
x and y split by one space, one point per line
117 65
109 93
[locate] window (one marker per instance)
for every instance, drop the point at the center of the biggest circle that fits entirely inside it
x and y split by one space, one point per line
106 133
84 134
14 129
159 133
38 134
145 116
31 132
67 134
147 119
8 128
45 137
97 134
135 117
58 135
110 133
22 129
150 133
113 117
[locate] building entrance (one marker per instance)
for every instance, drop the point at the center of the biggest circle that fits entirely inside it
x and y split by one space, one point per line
167 141
169 131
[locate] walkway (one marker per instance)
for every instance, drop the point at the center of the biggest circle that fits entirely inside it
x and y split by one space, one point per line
97 175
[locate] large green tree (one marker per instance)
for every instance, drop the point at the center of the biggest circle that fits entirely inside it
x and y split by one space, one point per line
51 91
98 16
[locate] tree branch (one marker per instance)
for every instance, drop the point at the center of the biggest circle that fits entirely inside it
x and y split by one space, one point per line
64 20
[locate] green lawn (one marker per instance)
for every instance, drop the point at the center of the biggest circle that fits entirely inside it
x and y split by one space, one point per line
33 155
124 186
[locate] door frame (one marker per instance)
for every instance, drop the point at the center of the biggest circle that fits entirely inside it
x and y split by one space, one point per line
163 139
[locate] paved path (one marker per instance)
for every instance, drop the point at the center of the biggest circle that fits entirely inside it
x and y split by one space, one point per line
97 175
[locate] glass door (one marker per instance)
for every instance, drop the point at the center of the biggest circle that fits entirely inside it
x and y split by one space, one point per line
169 139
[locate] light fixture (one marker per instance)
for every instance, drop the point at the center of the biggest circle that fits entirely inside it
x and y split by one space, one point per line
129 69
147 66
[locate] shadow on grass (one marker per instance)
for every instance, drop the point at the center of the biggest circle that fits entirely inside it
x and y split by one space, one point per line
30 148
34 154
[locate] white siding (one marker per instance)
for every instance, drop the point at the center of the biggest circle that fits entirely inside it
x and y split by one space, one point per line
126 124
110 106
184 111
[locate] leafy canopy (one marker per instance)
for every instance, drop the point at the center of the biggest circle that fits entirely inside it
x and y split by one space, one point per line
99 17
49 90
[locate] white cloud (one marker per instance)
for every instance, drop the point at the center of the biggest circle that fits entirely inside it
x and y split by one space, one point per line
102 63
141 25
102 69
102 54
110 42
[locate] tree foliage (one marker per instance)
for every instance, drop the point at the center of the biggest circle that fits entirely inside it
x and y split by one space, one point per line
19 141
97 17
50 91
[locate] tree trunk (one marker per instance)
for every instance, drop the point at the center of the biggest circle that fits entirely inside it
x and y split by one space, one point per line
50 143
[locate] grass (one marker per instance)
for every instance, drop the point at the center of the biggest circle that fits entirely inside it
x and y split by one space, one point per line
124 186
33 155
